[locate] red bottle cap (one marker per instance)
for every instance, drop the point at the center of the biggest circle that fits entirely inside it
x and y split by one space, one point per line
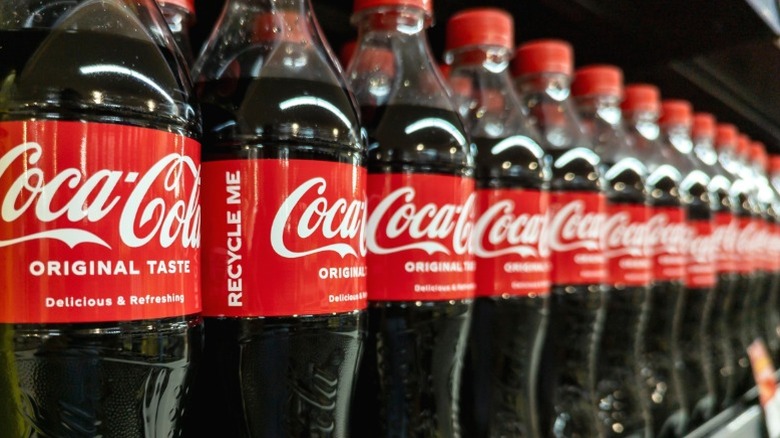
726 135
703 125
543 56
362 5
743 146
280 26
758 153
347 52
598 80
676 112
188 5
641 97
480 26
774 163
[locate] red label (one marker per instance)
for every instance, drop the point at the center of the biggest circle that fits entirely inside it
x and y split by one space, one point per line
748 229
283 237
419 237
512 256
725 237
701 269
100 222
576 221
667 237
765 246
775 247
625 245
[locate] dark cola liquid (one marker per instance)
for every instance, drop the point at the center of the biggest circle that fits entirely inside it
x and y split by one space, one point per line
621 396
498 393
662 378
409 377
111 379
696 345
570 353
277 376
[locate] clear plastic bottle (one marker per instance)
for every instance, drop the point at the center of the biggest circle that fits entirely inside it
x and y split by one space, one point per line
285 277
667 232
766 201
498 396
98 337
622 396
773 335
421 270
543 71
697 199
731 156
725 233
180 16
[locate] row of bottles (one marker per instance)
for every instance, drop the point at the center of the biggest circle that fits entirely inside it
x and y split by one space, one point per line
517 249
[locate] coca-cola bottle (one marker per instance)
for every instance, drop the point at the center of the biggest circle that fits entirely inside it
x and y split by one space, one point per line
420 217
730 154
180 16
285 284
620 393
725 230
675 122
773 336
100 243
543 71
765 198
666 237
498 396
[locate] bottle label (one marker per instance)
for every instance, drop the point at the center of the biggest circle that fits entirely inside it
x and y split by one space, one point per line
775 247
575 238
509 245
748 228
667 237
100 222
283 237
419 237
725 235
701 265
625 242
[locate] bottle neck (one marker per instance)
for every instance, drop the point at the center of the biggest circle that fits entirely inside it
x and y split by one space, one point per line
643 123
490 59
678 135
415 79
546 95
704 149
600 111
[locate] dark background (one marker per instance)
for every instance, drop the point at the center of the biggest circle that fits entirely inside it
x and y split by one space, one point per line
719 54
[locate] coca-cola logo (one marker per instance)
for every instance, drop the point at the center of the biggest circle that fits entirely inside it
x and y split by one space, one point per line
321 222
147 213
665 236
701 247
398 218
573 228
746 243
725 237
509 233
621 236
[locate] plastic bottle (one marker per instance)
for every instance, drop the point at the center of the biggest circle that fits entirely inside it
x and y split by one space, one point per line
180 16
100 323
667 232
725 233
621 395
498 396
543 71
773 335
675 122
421 210
285 278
